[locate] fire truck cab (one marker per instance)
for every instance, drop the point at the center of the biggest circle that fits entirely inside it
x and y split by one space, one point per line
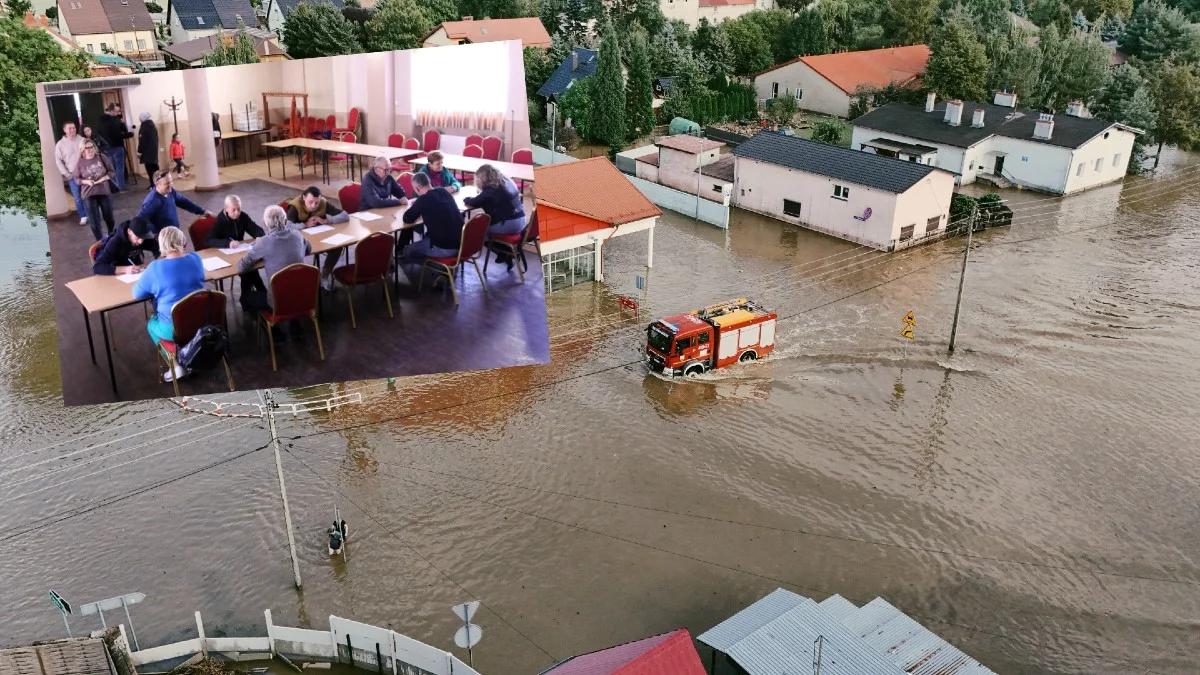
712 337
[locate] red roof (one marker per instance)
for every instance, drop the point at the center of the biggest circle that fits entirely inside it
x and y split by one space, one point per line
593 188
667 654
529 30
872 67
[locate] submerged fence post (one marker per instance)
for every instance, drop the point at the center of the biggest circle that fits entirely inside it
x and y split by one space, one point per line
200 631
270 633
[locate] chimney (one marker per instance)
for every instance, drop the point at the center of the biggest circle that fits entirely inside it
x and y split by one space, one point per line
467 18
1075 108
1008 99
1043 129
574 60
977 118
930 100
954 112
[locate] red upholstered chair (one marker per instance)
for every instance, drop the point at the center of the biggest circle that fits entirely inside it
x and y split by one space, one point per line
405 181
432 140
294 296
349 197
372 257
93 251
412 144
473 151
344 137
514 245
331 122
200 230
396 140
351 122
474 139
491 148
523 156
196 309
474 235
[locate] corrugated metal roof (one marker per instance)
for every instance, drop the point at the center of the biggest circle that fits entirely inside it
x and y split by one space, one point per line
907 643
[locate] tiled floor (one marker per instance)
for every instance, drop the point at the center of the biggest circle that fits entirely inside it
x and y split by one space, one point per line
505 327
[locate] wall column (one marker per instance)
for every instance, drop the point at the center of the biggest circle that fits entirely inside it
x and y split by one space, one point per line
518 112
381 97
402 96
58 204
650 247
202 152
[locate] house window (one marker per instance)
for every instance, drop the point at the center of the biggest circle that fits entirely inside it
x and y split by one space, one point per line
841 192
906 232
200 20
129 45
103 46
791 208
1117 160
91 48
141 45
799 94
1079 169
774 90
1099 163
933 224
717 188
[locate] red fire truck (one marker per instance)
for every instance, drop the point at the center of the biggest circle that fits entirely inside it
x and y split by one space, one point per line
713 337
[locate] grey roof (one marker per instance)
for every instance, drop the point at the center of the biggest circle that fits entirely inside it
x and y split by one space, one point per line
998 120
192 51
564 75
231 10
197 14
908 148
777 635
288 5
852 166
123 16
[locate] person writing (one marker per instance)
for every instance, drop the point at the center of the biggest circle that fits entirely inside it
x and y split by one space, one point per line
121 252
442 219
279 247
94 173
379 188
66 156
167 281
439 176
501 200
230 231
161 206
311 209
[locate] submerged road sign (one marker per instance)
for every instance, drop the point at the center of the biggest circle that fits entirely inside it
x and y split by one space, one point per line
119 602
62 605
468 635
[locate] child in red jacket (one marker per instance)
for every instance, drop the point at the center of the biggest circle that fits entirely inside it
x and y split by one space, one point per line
177 155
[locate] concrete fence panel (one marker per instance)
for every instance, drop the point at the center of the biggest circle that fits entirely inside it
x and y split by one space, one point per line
174 650
704 210
543 156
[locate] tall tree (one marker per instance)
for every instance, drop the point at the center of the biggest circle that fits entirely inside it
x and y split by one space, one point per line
1094 9
793 6
608 91
575 105
551 13
639 89
806 34
318 29
711 44
18 8
990 16
773 23
28 56
1126 99
1156 32
358 16
440 10
493 9
1053 48
750 46
1082 74
538 67
1047 12
1176 90
397 24
238 49
908 22
572 26
626 14
669 49
958 64
839 24
1015 63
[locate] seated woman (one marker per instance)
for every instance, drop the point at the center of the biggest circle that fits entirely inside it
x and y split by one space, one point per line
121 252
279 247
501 200
230 231
439 175
379 188
168 280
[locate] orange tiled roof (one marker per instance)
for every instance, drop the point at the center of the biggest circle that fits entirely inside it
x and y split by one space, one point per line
529 30
593 188
872 67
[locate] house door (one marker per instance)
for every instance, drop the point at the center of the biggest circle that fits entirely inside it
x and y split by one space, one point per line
999 170
774 90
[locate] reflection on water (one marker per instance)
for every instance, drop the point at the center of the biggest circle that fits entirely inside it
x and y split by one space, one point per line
1031 497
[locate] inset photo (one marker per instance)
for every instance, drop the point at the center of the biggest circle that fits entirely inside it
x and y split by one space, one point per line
292 222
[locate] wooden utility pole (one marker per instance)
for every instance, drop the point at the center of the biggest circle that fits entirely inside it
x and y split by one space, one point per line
961 278
269 411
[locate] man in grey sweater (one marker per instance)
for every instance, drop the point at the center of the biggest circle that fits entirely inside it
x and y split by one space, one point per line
283 245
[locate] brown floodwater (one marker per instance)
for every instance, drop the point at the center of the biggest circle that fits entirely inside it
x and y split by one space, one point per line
1031 498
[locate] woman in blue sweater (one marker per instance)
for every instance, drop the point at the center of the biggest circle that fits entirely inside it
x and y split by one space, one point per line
168 280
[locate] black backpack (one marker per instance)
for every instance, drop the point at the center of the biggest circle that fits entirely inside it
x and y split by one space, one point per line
204 351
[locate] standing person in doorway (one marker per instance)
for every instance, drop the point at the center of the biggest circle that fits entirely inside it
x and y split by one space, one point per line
94 173
113 130
217 131
66 156
147 147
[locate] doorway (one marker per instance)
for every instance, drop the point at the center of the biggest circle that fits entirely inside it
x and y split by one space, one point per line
999 169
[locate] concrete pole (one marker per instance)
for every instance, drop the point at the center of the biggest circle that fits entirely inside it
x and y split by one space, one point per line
961 278
269 406
381 105
57 201
200 633
202 152
519 126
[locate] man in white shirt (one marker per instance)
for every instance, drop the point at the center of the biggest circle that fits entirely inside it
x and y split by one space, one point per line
66 155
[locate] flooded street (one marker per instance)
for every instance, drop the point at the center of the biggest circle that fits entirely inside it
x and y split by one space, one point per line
1032 498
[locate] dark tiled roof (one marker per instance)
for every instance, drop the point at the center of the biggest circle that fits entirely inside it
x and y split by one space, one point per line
128 15
231 10
721 169
852 166
197 14
563 75
84 17
191 51
288 5
914 122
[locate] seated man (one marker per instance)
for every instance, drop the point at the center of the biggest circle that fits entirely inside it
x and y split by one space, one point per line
233 224
442 219
279 247
161 206
121 251
311 209
379 188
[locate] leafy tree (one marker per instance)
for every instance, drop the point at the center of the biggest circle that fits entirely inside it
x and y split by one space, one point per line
989 16
1082 74
1015 63
551 13
1094 9
28 56
608 91
1047 12
711 45
781 110
908 22
318 29
538 67
1053 48
1018 7
688 89
440 10
151 6
1080 22
773 23
670 50
793 6
629 13
397 24
237 50
576 105
572 25
18 8
52 13
1111 27
359 17
831 131
1156 32
839 24
806 34
958 64
749 46
1126 99
493 9
1176 89
639 89
1189 7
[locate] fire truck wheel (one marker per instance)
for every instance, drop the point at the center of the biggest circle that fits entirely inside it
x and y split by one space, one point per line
748 356
693 371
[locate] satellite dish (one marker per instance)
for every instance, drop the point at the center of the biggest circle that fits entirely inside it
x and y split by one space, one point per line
468 636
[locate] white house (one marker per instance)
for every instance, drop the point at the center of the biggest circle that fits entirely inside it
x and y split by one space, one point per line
192 19
828 83
716 11
882 202
689 164
277 11
1000 143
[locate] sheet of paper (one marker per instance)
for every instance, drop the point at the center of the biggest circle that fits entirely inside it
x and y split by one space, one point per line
211 264
234 251
317 229
129 278
338 239
367 216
